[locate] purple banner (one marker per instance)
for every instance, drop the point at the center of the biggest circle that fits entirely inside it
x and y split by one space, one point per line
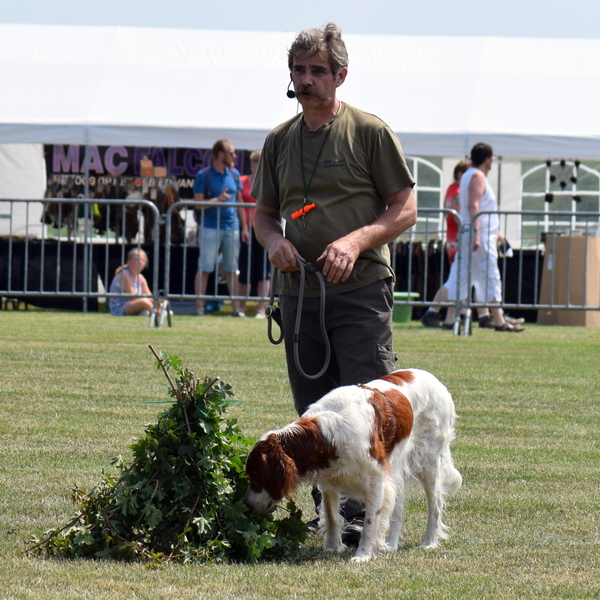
114 167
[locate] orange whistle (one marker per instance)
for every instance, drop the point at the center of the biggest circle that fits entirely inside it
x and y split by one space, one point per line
303 211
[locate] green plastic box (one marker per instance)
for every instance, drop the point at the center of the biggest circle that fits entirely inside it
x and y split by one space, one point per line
403 312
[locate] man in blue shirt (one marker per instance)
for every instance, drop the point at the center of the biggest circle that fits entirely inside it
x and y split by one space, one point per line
220 228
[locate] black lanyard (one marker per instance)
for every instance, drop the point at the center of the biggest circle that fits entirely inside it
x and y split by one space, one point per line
307 187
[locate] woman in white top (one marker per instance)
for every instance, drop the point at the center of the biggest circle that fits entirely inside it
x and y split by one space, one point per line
128 279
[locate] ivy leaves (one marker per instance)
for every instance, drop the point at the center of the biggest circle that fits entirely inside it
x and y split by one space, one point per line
180 498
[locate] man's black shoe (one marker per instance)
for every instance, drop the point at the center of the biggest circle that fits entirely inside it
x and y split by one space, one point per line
313 525
352 531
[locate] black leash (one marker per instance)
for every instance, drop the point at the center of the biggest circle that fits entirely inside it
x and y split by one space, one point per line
275 313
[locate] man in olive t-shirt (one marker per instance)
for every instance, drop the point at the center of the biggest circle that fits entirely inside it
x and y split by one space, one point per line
350 165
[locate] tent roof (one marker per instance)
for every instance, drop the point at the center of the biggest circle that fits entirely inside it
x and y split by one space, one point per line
166 87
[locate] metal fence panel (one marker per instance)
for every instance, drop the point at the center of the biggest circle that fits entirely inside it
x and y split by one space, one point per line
67 258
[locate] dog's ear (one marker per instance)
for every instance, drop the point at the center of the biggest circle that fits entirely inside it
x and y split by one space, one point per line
282 467
271 469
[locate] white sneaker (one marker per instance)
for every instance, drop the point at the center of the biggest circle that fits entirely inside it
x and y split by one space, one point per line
239 314
260 314
200 312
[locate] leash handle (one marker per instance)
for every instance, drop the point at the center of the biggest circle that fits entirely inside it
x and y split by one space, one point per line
273 313
309 267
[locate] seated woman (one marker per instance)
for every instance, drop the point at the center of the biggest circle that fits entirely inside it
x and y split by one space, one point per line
128 279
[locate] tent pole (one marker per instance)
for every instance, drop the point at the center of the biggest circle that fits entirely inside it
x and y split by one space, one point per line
86 194
499 199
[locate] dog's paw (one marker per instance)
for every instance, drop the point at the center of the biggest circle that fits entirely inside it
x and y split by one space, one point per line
429 544
336 547
360 559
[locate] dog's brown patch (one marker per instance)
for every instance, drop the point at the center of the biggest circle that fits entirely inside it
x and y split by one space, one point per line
309 449
399 378
392 422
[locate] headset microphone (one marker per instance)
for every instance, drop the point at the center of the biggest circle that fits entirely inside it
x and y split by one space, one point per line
290 93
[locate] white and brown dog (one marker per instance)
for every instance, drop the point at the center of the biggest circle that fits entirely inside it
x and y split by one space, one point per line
366 442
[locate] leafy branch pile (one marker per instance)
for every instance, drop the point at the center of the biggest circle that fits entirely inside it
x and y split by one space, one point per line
181 496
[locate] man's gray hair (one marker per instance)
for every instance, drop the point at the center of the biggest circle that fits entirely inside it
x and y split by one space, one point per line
321 39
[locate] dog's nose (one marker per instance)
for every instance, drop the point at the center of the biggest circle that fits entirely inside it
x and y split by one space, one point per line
256 504
248 502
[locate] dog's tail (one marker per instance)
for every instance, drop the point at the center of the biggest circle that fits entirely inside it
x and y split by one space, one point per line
451 479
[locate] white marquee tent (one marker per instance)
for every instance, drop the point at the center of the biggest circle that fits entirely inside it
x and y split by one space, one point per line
529 98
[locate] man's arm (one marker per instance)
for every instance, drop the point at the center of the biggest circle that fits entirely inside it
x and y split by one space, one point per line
269 232
340 256
222 197
476 191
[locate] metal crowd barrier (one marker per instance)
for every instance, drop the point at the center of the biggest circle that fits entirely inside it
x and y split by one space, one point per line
566 275
67 257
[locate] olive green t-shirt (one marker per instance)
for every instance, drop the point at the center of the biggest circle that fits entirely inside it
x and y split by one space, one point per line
360 165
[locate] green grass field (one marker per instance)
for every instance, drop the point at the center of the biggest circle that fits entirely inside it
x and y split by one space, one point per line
526 523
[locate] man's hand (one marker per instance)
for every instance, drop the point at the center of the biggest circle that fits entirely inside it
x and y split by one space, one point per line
283 254
339 258
223 196
476 241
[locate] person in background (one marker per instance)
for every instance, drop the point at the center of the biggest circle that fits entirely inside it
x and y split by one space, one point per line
220 229
128 279
254 262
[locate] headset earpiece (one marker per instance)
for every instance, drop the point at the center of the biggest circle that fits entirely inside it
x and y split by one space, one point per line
290 93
